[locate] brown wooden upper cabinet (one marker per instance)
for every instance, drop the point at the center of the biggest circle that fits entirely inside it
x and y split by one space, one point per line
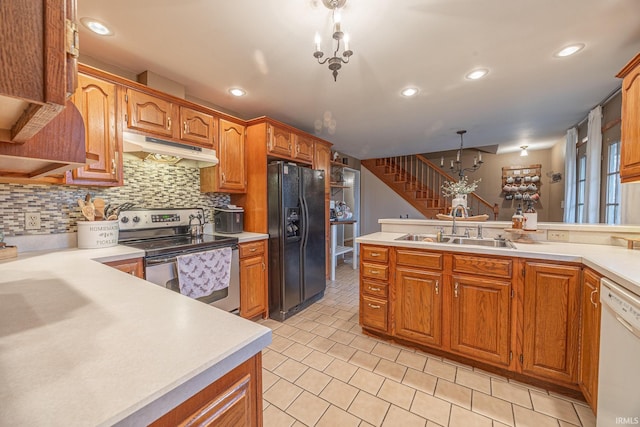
279 141
630 127
197 127
230 175
39 53
96 99
148 113
304 148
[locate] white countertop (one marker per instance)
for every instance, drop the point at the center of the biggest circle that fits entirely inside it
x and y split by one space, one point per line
617 263
84 344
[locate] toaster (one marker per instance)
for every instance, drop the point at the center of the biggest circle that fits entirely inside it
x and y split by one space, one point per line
228 219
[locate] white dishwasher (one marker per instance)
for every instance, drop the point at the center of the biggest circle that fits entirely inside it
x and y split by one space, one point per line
619 367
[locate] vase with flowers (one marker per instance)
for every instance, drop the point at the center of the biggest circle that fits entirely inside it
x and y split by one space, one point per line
459 190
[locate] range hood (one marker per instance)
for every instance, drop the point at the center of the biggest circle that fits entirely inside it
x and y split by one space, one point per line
168 151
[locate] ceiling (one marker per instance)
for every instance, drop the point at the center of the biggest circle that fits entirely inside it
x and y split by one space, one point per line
266 47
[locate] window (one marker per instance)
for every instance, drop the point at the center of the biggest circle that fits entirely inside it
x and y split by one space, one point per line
582 185
612 185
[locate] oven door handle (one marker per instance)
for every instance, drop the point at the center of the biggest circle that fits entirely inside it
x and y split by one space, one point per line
157 261
164 260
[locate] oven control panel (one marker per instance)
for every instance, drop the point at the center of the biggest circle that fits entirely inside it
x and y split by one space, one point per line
138 219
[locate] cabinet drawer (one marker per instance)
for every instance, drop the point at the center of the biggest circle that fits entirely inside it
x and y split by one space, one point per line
373 313
375 254
376 289
417 258
251 248
375 271
495 267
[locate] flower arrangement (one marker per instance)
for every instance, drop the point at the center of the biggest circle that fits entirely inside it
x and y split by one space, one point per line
451 189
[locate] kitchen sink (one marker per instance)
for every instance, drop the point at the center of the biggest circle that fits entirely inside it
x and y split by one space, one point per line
456 240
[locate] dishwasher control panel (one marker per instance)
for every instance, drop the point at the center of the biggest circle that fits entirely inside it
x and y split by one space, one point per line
624 304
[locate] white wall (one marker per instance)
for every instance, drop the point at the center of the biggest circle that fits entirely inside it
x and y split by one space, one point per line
377 201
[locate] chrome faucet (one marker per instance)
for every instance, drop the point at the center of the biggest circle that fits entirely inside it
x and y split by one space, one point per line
454 227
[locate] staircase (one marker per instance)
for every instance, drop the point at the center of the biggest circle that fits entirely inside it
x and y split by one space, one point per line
419 182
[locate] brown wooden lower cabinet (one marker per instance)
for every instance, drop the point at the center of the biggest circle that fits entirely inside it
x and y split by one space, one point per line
551 301
519 317
480 319
254 279
418 305
235 400
134 266
590 336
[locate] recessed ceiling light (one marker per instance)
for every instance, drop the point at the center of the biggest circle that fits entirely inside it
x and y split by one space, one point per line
410 91
236 91
96 26
570 50
477 74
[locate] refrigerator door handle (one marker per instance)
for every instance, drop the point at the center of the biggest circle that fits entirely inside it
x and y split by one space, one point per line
305 222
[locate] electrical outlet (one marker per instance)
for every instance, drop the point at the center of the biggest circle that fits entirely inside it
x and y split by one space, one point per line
32 221
557 236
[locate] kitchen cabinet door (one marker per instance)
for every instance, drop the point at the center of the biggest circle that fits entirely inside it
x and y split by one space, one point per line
551 302
418 306
480 319
304 148
38 68
630 126
134 267
279 141
235 400
96 99
590 336
253 280
230 175
149 114
197 127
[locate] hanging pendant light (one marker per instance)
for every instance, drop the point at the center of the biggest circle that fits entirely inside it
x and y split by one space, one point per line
335 61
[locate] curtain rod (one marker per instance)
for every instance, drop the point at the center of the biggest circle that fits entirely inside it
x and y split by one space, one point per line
607 99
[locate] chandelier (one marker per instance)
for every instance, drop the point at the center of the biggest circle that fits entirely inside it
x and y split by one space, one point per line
335 61
456 166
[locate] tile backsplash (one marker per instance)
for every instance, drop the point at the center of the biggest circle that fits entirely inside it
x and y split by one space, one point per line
147 184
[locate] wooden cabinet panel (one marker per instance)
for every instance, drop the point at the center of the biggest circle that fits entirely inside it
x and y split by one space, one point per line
322 160
233 400
230 175
374 253
149 113
304 148
278 141
418 258
375 271
494 267
630 126
37 71
590 336
550 317
418 306
480 319
96 99
375 289
197 127
253 279
135 266
373 313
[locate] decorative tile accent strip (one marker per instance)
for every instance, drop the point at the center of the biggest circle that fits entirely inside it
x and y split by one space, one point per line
147 184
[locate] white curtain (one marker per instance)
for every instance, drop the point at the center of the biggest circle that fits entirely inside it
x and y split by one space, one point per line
570 176
594 165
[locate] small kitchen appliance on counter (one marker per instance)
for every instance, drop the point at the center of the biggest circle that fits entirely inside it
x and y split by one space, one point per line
165 234
228 219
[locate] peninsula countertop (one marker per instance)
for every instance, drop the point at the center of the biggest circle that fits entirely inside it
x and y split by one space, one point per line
82 343
619 264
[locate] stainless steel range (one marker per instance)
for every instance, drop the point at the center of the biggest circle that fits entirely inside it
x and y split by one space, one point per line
165 234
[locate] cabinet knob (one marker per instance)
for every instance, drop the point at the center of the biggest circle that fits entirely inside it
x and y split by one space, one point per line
437 287
264 267
168 123
455 289
184 124
593 293
375 254
374 272
374 289
374 306
253 249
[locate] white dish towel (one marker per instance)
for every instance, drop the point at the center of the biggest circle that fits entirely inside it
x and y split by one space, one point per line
201 273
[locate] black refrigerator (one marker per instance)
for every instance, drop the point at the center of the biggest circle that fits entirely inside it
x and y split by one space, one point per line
297 256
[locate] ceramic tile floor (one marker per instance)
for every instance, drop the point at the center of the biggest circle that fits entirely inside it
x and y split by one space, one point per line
320 370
